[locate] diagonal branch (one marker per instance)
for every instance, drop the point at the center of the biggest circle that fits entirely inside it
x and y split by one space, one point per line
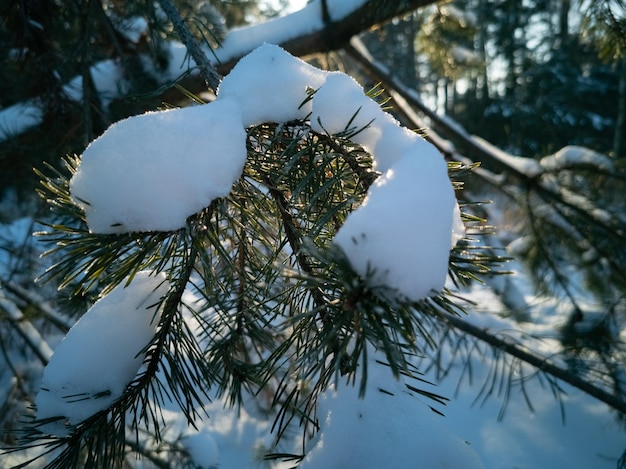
357 50
207 72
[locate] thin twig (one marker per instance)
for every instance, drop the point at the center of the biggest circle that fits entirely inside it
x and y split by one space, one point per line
28 332
208 73
293 237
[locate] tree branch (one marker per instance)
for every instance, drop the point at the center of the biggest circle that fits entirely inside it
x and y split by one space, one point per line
207 72
334 35
539 362
31 336
337 34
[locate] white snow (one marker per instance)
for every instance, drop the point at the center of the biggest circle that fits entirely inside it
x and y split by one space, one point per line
356 111
591 435
111 83
383 430
26 329
400 236
575 156
202 448
415 191
375 130
100 355
108 80
397 141
18 118
527 166
239 41
458 228
270 85
354 432
151 172
307 20
132 28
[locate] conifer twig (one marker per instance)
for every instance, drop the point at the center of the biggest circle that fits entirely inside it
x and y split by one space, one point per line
208 73
25 328
295 243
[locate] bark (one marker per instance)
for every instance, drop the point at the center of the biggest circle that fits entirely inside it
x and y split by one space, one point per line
564 10
207 72
335 35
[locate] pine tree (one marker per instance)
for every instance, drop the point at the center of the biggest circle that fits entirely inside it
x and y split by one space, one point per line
281 313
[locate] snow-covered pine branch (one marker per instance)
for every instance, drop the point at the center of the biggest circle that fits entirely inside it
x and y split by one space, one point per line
560 218
184 174
152 172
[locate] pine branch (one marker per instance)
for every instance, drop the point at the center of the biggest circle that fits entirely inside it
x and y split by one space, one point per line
532 184
211 78
34 300
311 318
616 402
295 242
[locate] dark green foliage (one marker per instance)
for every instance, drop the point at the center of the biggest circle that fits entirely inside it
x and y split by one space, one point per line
280 313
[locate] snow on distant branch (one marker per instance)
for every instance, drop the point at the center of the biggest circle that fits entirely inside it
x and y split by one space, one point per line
279 30
18 118
528 167
573 156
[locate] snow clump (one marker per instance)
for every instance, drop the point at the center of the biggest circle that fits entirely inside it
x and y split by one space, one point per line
151 172
401 234
270 85
101 354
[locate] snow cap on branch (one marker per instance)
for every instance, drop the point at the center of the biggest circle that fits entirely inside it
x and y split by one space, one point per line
340 105
400 237
573 156
270 85
150 172
100 355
